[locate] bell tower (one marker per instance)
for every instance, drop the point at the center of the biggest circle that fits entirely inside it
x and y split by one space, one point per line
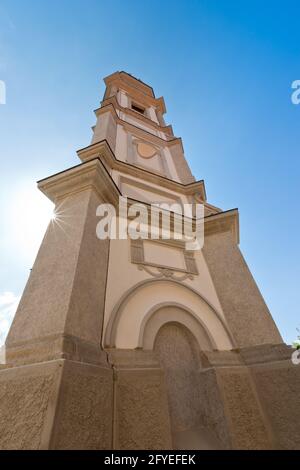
142 343
131 120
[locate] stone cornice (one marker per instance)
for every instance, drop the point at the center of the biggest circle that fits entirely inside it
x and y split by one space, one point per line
125 77
263 354
89 175
138 130
103 151
136 89
92 174
223 222
113 100
226 221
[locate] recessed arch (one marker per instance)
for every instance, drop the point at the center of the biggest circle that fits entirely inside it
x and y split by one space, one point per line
179 355
130 311
158 316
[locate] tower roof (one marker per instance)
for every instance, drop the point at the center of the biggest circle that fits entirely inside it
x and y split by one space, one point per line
130 83
131 80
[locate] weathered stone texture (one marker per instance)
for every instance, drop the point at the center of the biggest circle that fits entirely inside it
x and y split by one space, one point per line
142 417
66 289
279 391
213 409
247 427
84 417
247 315
196 410
24 400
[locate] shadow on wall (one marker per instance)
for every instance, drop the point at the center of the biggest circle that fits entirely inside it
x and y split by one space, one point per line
194 425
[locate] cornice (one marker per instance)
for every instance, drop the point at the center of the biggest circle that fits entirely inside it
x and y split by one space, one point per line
136 89
92 174
226 221
89 175
113 100
128 78
103 151
138 130
223 222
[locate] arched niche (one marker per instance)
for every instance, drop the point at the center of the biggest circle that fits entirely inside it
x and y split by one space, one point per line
177 349
173 312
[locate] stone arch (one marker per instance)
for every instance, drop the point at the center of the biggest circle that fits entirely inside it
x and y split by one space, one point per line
173 312
124 329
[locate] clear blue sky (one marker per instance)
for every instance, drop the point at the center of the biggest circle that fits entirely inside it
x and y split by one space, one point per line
225 69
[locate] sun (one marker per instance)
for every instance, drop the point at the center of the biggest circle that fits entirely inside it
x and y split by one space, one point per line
30 213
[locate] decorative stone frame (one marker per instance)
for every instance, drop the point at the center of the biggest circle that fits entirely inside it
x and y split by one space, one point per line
135 183
140 105
160 270
132 152
114 318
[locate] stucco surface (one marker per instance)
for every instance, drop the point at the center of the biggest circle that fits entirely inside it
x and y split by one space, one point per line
196 412
246 424
106 128
278 387
181 165
141 413
25 395
66 289
57 405
126 325
84 413
243 305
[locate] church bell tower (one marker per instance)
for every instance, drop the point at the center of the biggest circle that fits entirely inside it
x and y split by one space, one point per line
142 343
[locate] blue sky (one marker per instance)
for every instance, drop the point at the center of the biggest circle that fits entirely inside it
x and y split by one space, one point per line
225 69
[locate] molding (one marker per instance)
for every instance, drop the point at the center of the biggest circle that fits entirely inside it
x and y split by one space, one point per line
217 359
138 257
103 151
132 358
155 152
111 327
89 175
262 354
126 77
188 311
136 89
130 157
227 221
132 127
92 174
164 272
135 141
173 198
137 183
53 347
144 118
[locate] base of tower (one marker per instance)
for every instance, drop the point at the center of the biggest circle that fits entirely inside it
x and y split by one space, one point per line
58 404
249 399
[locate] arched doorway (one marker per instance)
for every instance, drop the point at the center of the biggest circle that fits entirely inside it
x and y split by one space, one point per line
180 357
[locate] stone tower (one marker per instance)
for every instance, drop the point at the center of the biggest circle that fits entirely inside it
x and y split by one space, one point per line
130 344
